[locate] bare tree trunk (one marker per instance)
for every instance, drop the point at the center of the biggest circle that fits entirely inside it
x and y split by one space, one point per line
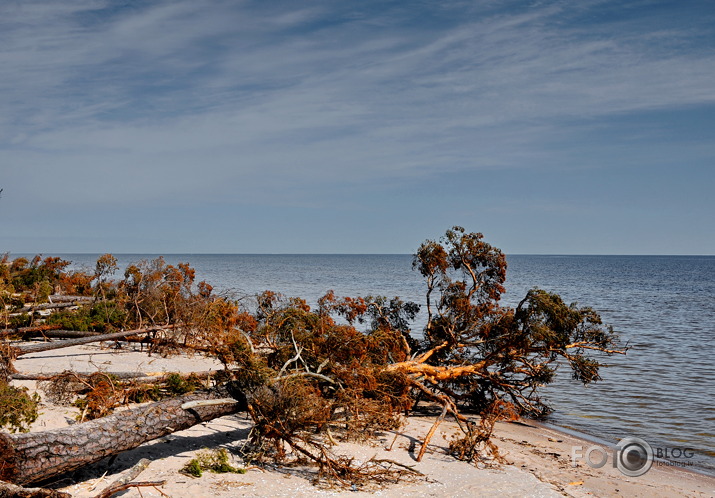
60 298
45 306
33 457
27 330
57 334
47 346
67 334
134 376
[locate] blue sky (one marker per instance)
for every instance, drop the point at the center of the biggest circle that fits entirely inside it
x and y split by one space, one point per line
357 127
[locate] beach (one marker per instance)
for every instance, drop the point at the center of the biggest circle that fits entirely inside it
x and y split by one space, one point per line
539 457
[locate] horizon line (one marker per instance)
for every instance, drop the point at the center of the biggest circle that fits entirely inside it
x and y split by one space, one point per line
88 253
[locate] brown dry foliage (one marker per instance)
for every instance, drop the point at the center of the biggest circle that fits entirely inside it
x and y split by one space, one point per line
98 394
311 375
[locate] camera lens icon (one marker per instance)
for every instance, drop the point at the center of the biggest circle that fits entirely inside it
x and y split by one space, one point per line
634 456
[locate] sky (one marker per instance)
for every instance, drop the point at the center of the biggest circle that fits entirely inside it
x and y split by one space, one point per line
185 126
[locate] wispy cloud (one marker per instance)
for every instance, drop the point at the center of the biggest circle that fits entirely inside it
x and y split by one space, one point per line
192 60
279 101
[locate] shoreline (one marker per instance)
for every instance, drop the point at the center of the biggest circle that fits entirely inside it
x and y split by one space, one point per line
590 438
553 449
538 454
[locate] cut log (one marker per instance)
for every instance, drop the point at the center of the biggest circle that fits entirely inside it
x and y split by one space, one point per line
47 346
33 457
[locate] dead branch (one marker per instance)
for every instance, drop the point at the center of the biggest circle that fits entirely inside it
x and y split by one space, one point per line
139 484
586 345
8 490
438 373
429 435
304 374
125 482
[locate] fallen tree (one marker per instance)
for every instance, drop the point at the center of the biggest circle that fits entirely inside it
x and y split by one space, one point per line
134 376
474 354
30 308
25 331
33 457
57 334
310 376
9 352
113 336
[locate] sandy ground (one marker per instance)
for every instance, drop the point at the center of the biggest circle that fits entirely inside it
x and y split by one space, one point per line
539 457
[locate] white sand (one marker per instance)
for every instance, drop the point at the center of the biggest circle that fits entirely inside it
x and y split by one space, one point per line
539 456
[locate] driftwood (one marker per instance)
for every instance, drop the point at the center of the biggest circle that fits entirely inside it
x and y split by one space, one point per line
33 457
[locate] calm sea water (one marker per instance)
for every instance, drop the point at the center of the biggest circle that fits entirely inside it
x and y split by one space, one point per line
664 307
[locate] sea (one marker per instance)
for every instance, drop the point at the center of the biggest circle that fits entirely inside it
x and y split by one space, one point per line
663 308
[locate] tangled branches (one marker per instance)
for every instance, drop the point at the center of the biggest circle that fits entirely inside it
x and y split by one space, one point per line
99 393
311 376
